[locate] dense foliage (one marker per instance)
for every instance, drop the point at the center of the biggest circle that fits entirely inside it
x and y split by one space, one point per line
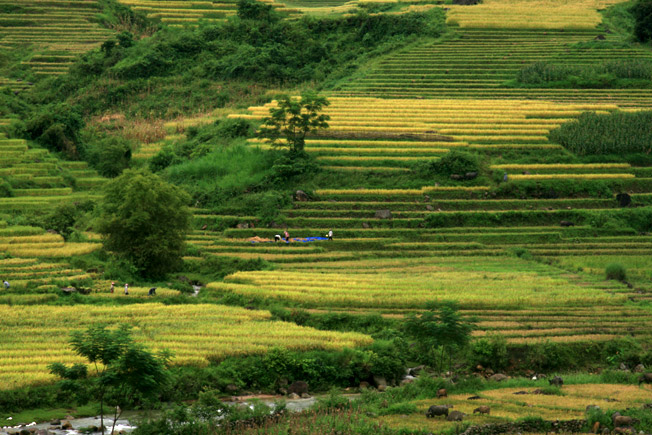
642 12
617 132
635 73
144 220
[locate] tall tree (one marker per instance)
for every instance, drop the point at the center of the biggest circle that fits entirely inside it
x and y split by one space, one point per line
293 119
124 371
144 219
440 330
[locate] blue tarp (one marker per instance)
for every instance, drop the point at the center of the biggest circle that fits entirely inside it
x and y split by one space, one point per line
300 239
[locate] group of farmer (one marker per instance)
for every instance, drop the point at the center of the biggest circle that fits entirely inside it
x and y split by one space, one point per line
286 236
152 291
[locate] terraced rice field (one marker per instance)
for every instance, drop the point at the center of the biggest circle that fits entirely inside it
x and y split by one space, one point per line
184 13
55 30
47 180
195 333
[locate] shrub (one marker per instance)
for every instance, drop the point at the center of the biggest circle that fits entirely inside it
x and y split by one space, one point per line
5 189
642 13
616 271
457 162
490 352
110 156
617 132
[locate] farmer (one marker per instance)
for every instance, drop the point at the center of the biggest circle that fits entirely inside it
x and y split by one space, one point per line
6 283
505 178
152 292
112 286
330 235
277 238
287 235
126 288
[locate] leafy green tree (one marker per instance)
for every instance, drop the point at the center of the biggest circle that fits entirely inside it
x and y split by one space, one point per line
124 372
293 119
642 12
439 331
144 220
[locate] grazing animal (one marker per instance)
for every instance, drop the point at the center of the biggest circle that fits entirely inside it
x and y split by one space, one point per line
645 378
455 416
556 381
437 410
442 393
482 410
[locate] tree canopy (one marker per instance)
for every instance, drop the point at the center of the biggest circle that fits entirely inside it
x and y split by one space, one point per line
144 220
294 118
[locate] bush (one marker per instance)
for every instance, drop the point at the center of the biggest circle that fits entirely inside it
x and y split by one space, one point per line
616 271
5 189
457 162
490 352
612 74
642 13
617 132
110 156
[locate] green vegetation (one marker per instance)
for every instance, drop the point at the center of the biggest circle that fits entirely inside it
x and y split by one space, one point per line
631 73
594 133
125 373
616 271
144 220
642 13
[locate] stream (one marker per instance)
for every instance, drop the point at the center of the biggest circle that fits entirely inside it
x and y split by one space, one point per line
124 425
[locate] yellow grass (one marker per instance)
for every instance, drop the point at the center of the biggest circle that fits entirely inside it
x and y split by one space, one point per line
518 177
192 332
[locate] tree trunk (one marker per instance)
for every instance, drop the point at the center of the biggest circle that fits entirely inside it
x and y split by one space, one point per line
102 412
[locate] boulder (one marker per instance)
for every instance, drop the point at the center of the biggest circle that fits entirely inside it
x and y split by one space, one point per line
68 290
65 425
498 377
298 387
639 368
55 422
380 382
363 385
305 396
301 196
365 225
430 208
383 214
623 421
242 225
293 396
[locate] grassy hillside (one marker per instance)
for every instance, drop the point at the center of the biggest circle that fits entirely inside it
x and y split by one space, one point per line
445 176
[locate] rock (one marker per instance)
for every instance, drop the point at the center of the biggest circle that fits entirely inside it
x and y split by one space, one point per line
298 387
364 385
383 214
623 421
455 416
479 368
430 208
293 396
65 425
605 431
231 388
639 368
437 410
646 378
622 366
471 175
380 381
52 231
283 391
55 422
301 196
415 371
407 381
68 290
482 410
625 430
456 177
242 225
365 225
498 377
442 393
489 372
305 396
